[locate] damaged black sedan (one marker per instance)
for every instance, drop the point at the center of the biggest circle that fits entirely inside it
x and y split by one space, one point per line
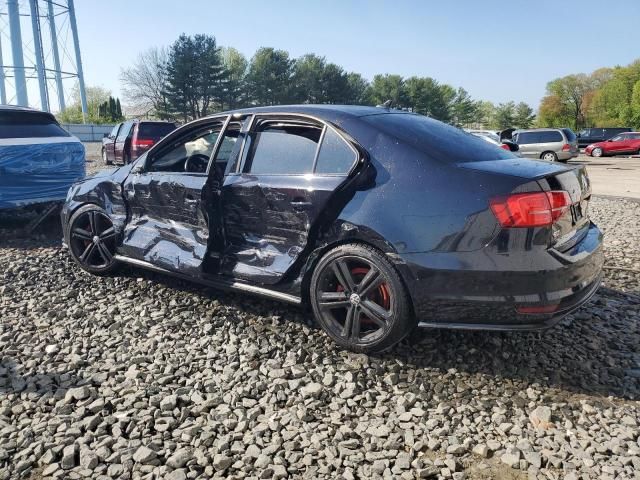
380 220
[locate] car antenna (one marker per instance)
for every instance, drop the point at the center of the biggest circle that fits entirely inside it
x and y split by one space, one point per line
386 104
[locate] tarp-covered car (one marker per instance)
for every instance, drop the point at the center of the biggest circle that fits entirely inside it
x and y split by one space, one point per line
39 160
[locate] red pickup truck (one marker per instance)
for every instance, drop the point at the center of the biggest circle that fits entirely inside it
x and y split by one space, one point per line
128 140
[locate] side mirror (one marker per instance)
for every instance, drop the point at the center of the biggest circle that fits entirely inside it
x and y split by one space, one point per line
513 147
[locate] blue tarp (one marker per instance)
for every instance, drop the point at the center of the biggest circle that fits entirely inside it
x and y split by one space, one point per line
38 170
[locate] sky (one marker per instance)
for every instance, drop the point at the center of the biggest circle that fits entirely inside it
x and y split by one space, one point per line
496 50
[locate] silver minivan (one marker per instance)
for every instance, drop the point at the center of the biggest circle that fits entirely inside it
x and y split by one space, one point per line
552 144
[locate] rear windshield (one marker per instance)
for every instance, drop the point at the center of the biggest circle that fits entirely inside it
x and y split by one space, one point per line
439 140
29 125
155 130
569 134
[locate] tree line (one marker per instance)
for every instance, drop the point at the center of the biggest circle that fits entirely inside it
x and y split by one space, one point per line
195 77
607 97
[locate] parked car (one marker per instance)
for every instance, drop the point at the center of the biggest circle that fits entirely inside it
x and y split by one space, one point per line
493 139
588 136
628 143
39 160
128 140
551 144
378 219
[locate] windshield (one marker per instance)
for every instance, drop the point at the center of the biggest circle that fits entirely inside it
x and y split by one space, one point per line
439 140
617 138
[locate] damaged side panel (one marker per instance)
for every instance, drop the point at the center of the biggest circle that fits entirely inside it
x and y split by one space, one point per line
168 223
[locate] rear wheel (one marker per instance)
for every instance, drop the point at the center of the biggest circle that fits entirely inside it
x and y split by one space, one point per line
549 157
359 300
92 239
596 152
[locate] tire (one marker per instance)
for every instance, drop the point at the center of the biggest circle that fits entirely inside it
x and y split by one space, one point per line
105 159
359 300
91 238
596 152
549 156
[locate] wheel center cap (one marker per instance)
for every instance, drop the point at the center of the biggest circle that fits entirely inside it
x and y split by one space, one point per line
354 299
96 239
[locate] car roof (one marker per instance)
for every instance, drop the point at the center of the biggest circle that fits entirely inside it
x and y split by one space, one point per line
324 112
540 130
17 108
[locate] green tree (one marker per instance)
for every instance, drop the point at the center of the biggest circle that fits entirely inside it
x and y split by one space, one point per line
387 87
235 66
96 96
308 79
269 77
486 114
357 90
464 110
524 116
196 78
504 115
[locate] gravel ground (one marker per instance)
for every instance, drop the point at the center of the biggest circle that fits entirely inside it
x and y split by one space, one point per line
143 376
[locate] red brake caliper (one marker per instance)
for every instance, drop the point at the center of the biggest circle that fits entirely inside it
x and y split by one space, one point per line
380 295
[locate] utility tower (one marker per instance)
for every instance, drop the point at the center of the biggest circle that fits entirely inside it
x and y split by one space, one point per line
40 54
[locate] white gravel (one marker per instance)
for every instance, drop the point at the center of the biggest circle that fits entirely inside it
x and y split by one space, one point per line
143 376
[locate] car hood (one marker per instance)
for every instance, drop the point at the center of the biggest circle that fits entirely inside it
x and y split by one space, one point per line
597 144
517 167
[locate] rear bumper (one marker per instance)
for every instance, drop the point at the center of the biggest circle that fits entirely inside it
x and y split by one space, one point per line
567 155
482 290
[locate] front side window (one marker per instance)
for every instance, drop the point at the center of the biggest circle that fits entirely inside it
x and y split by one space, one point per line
281 148
617 138
189 154
335 156
124 131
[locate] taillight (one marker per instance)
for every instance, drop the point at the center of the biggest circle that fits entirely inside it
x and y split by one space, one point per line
566 147
142 143
538 209
504 146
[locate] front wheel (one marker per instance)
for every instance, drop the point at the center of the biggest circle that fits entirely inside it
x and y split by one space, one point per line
359 300
92 240
596 152
549 157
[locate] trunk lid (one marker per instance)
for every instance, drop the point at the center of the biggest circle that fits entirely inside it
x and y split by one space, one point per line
570 227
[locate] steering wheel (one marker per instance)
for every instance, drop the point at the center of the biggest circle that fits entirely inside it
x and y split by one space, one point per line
196 163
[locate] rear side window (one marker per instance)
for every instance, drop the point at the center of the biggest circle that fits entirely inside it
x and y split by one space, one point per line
155 131
569 134
29 125
336 156
549 137
526 138
439 140
283 149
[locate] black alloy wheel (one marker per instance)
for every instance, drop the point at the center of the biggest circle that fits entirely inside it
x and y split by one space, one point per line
359 299
92 239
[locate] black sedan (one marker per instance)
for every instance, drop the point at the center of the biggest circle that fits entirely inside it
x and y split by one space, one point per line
380 220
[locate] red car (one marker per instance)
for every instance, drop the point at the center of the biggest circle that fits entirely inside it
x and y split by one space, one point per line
624 143
130 139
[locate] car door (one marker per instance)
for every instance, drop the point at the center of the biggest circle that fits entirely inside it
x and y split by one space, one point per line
121 140
169 210
618 144
527 143
634 143
109 145
289 168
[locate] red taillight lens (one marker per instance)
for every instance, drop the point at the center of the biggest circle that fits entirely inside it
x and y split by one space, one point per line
504 146
539 209
566 147
141 142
